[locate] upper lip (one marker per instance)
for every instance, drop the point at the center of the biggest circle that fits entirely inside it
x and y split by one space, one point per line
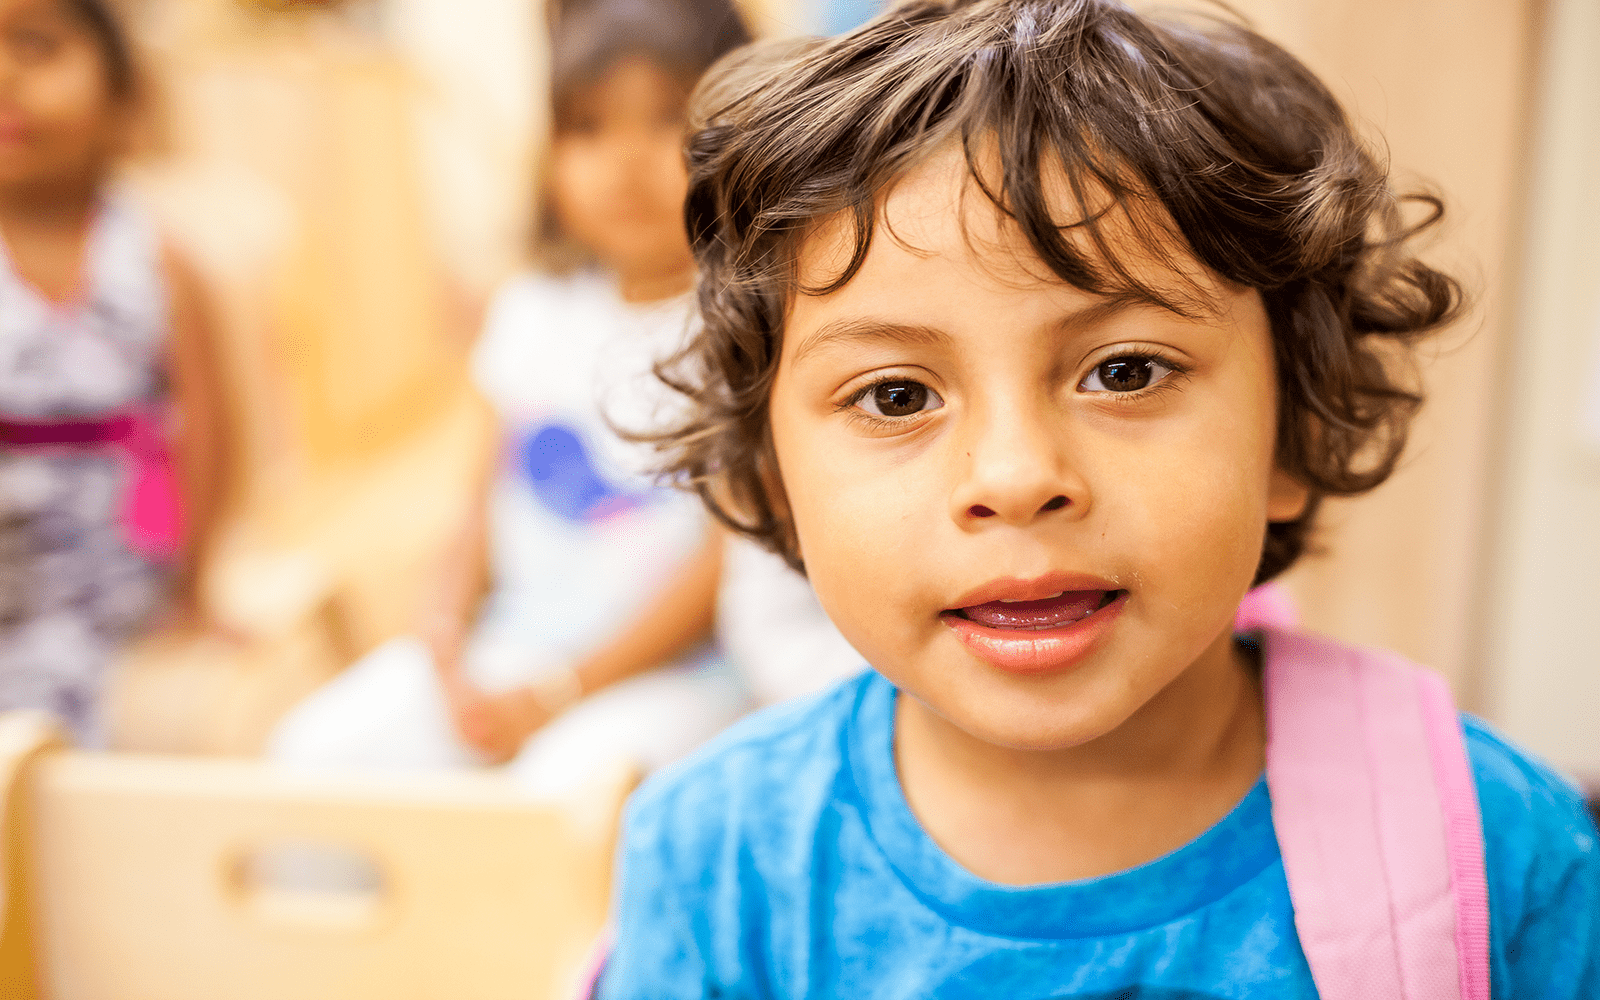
1037 589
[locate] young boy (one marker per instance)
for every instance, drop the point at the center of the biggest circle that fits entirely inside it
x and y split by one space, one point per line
1035 331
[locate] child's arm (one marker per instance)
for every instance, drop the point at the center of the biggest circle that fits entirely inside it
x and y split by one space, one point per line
195 364
459 584
676 619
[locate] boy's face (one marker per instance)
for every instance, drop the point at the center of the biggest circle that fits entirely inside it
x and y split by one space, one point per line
957 431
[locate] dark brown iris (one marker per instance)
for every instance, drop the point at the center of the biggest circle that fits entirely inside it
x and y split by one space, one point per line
1126 374
900 399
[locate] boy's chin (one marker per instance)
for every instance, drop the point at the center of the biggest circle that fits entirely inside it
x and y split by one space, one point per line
1007 721
1041 739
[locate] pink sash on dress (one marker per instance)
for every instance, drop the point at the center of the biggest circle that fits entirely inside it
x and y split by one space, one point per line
152 512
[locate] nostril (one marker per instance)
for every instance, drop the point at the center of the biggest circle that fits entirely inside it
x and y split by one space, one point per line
1054 503
979 510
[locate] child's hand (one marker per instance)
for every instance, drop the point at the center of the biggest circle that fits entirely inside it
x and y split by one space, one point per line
495 724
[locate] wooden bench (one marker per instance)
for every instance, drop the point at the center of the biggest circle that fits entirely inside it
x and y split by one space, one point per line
140 877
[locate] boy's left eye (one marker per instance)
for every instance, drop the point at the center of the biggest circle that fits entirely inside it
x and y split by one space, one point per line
898 398
1128 373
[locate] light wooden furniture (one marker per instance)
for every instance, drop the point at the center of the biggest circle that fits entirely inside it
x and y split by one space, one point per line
132 877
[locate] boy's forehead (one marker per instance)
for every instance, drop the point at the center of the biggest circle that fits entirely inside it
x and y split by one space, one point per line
941 209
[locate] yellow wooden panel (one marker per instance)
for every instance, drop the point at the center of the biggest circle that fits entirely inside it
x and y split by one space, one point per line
24 737
486 894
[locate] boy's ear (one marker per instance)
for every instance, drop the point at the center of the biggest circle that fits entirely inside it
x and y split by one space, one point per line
1287 496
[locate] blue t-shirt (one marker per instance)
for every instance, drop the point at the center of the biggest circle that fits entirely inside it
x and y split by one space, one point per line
783 861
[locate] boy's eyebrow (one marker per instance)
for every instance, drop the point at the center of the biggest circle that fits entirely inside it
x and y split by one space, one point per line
855 328
1102 309
858 328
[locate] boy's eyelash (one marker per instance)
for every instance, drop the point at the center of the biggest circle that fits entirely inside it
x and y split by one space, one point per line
1178 369
858 395
848 406
853 412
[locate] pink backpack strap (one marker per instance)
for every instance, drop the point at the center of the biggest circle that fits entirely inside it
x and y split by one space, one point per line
1377 819
595 964
1267 606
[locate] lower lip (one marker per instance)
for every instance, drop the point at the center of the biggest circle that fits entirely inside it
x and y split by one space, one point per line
1045 651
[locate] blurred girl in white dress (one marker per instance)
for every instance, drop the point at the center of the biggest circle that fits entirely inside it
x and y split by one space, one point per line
592 644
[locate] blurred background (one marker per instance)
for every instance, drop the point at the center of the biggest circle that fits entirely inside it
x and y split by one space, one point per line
351 182
354 179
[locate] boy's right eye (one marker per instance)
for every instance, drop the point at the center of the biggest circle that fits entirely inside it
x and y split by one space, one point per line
897 398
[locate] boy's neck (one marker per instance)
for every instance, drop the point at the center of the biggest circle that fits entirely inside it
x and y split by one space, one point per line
1023 817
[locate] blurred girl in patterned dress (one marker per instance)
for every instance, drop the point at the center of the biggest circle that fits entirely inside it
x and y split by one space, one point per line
109 420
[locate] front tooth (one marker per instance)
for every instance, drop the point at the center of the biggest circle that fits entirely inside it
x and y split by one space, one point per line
1019 600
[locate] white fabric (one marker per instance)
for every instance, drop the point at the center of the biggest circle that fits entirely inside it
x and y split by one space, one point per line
557 357
106 348
387 712
772 629
570 353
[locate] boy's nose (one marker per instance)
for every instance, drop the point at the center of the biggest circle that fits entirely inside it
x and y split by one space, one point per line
1054 503
1016 471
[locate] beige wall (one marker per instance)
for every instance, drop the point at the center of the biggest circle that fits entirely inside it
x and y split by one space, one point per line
479 111
1545 585
1446 83
1482 555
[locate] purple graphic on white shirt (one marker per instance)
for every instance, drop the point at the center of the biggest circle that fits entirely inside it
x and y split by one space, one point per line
563 475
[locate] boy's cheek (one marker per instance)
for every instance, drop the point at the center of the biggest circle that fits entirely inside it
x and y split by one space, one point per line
872 545
836 484
1191 531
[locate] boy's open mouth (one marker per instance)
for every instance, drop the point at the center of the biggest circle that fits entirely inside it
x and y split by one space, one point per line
1066 608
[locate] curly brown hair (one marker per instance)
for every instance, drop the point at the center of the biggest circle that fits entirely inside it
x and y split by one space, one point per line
1232 143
